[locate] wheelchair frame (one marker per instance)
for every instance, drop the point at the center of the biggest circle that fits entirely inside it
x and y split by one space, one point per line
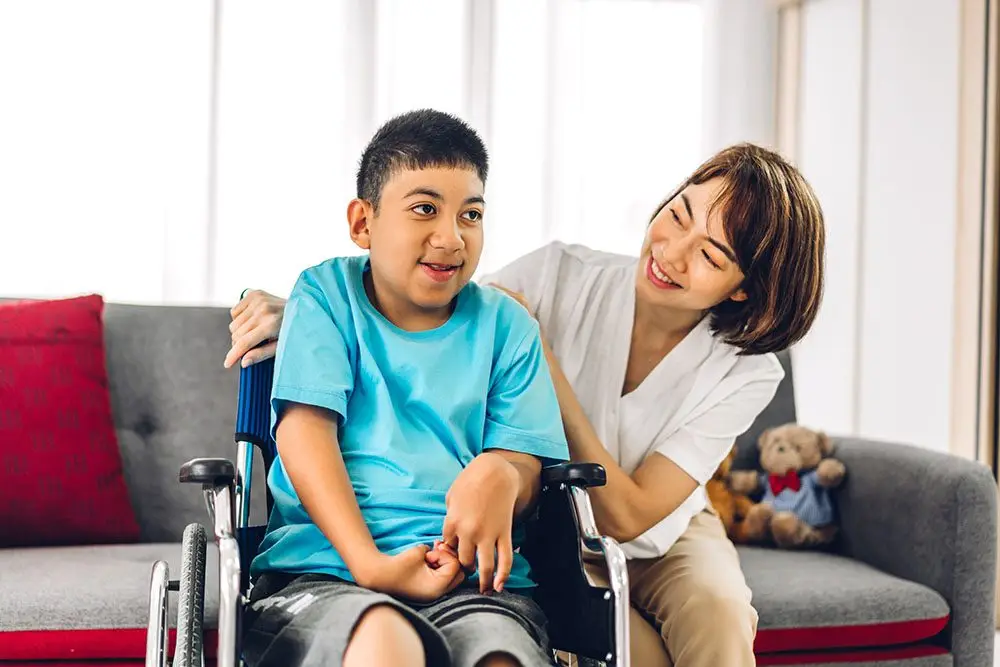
227 496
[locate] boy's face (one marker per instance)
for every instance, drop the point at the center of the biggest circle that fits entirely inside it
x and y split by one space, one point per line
424 243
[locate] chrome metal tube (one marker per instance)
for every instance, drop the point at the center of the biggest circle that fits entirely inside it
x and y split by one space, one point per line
618 576
244 471
229 576
156 630
592 540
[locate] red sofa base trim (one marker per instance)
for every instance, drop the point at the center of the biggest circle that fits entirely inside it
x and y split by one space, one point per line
773 646
847 636
851 655
79 645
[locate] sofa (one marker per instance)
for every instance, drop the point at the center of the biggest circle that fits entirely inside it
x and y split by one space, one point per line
910 581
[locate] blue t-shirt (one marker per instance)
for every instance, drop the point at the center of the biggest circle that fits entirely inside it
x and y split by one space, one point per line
414 409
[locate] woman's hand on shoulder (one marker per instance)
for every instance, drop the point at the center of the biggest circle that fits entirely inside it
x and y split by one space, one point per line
255 319
517 296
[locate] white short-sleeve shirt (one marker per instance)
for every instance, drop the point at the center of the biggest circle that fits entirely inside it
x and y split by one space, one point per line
690 408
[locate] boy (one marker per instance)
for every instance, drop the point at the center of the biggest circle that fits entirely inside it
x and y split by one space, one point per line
409 406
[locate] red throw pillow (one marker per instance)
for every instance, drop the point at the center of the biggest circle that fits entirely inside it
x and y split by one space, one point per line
61 478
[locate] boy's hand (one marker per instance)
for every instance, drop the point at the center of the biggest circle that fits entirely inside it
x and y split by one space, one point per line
440 554
410 575
480 518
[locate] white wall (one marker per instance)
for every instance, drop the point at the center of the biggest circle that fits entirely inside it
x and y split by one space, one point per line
830 157
739 70
879 141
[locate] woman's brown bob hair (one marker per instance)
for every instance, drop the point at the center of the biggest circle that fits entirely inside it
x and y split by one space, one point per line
774 224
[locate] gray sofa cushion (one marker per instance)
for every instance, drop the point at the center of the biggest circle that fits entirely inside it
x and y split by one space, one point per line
808 593
90 588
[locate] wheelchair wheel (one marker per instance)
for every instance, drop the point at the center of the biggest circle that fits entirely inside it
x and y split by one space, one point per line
191 605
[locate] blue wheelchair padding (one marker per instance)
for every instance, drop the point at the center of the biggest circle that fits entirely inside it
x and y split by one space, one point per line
253 408
253 425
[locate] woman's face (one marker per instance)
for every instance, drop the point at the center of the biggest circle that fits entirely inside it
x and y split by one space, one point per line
687 262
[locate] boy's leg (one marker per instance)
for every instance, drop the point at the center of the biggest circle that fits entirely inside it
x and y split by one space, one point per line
314 620
383 636
491 630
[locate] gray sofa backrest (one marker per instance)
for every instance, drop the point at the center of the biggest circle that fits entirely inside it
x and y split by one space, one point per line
172 401
781 410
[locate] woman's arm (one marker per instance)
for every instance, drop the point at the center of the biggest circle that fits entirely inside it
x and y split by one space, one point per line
627 506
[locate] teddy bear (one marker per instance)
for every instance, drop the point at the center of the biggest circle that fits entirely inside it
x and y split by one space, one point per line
796 510
731 507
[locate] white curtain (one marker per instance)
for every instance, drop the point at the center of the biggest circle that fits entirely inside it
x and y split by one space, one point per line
172 151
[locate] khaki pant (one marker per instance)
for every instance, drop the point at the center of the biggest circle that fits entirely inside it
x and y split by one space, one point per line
690 608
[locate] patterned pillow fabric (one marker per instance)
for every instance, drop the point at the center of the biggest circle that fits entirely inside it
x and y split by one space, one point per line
61 479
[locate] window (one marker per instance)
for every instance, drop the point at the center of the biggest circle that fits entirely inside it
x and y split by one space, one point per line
590 108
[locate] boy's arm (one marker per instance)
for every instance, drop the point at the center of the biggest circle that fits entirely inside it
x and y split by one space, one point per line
313 381
523 429
529 478
310 454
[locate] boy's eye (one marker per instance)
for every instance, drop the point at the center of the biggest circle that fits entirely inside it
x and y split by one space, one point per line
473 215
423 209
676 219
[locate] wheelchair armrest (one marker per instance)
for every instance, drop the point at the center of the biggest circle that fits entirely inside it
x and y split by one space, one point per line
211 472
575 474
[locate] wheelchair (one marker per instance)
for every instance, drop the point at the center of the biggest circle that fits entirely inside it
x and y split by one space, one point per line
586 621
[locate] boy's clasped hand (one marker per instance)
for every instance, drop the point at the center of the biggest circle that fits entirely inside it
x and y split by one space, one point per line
479 521
477 536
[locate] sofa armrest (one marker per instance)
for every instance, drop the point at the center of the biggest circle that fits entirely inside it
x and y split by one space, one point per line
931 518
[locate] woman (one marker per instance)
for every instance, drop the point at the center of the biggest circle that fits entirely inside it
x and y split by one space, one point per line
659 364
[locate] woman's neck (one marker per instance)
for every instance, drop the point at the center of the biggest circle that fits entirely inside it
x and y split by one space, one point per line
659 326
655 332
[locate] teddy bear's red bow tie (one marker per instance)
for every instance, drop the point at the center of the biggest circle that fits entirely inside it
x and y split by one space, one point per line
790 480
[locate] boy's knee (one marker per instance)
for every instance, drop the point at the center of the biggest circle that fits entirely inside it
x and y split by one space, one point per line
384 621
384 636
499 660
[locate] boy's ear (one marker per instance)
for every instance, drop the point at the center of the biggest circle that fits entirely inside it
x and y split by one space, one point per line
358 216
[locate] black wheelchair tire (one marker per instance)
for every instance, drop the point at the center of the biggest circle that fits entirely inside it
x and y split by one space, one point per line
191 598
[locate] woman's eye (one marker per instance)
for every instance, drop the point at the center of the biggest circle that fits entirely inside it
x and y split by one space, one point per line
423 209
676 219
473 215
708 258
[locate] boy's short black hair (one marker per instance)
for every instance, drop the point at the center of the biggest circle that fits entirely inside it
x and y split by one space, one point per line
418 140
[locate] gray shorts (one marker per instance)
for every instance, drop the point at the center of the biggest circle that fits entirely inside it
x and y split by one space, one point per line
307 620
